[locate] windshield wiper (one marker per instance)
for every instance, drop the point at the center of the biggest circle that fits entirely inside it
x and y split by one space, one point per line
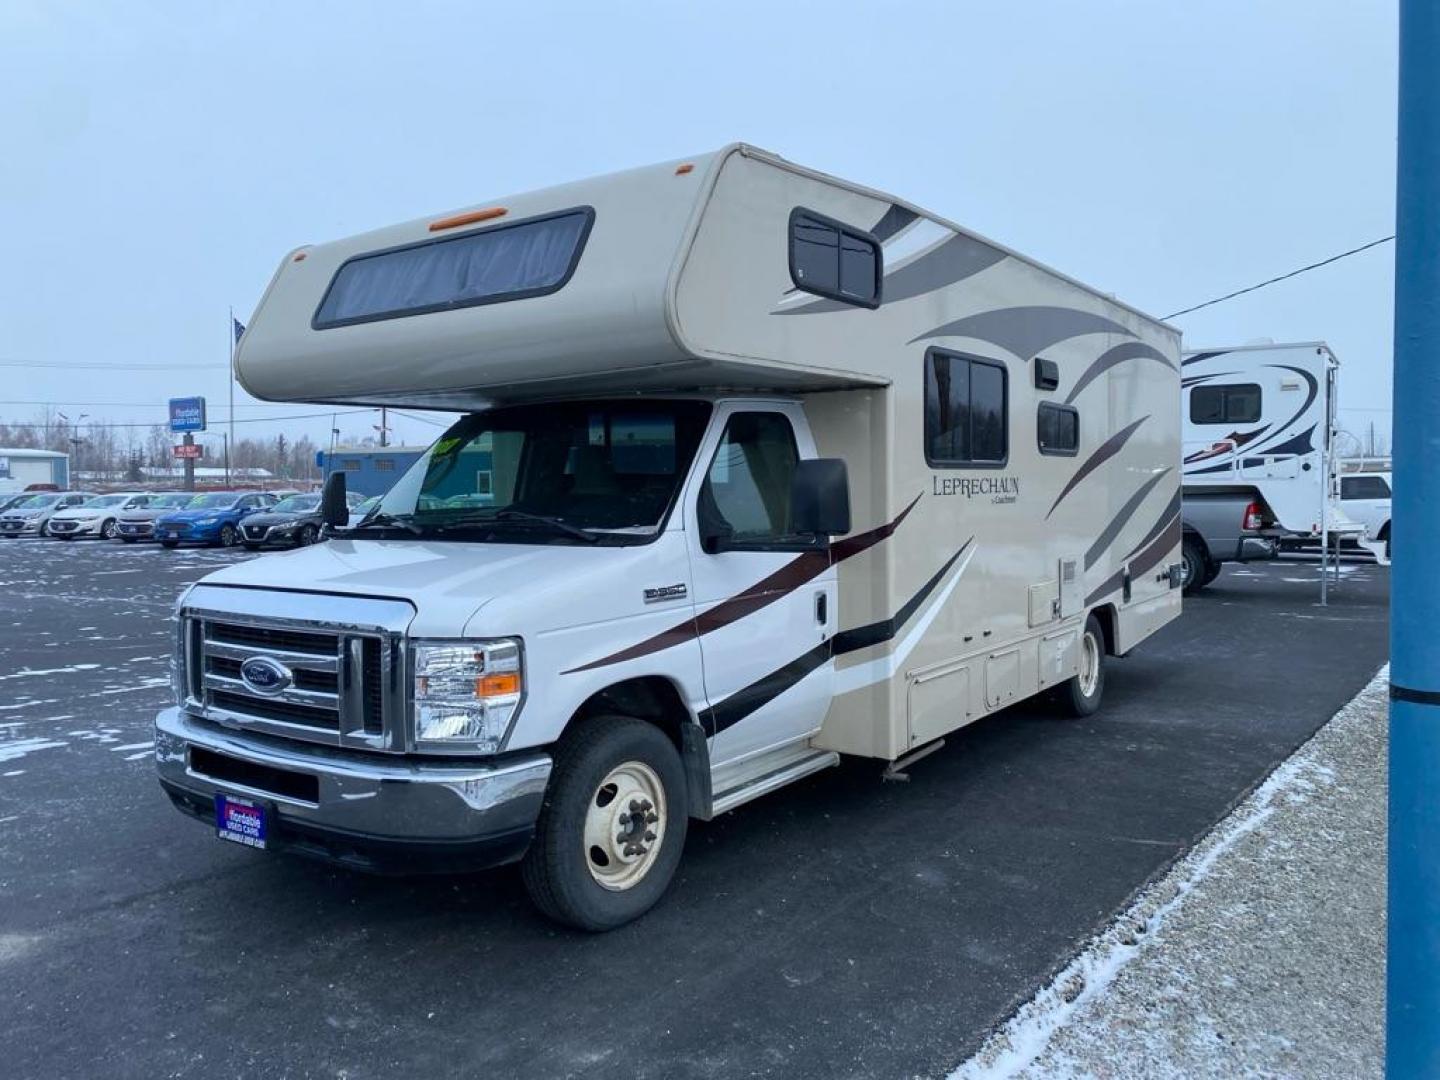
491 517
384 520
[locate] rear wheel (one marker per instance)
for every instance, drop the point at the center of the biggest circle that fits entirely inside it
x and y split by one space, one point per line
1384 537
1081 695
1212 571
1194 565
227 536
612 826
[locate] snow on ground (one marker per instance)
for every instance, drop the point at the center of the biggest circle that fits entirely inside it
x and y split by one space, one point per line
1261 952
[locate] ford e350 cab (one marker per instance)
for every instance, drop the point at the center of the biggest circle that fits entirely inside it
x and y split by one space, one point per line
755 468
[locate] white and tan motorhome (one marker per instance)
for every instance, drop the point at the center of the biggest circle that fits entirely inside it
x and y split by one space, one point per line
757 467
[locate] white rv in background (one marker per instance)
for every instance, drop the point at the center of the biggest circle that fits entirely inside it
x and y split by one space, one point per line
1258 453
775 468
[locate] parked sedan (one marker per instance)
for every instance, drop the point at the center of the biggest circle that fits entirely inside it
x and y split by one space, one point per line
10 502
294 522
32 517
212 519
140 524
96 516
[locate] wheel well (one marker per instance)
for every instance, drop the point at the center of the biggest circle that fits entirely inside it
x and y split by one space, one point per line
651 698
1105 615
1190 536
1384 533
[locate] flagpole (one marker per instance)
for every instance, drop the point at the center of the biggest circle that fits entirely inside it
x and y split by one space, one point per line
231 440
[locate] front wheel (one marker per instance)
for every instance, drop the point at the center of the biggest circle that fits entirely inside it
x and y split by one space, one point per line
612 825
110 530
308 535
1081 695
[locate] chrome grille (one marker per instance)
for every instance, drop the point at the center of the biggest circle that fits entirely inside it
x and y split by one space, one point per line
341 689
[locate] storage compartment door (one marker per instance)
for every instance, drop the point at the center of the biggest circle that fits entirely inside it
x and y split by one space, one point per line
1072 588
939 702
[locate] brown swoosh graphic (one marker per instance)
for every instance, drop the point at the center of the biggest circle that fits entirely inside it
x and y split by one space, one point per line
1164 540
766 591
1108 449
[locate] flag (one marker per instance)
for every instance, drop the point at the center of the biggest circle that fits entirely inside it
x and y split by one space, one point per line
239 328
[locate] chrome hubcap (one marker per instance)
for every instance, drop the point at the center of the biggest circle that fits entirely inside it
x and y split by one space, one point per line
1089 664
625 825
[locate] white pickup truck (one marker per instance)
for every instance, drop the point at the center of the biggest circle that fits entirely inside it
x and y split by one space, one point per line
625 589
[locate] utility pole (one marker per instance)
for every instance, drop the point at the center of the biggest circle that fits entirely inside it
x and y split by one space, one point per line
384 428
1412 1009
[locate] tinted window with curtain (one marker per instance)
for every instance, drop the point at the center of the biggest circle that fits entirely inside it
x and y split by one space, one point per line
966 410
505 262
747 488
834 260
1057 429
1237 403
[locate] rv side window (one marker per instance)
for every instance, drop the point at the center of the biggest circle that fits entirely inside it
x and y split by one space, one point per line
1235 403
1364 487
486 266
1057 429
747 488
966 410
834 260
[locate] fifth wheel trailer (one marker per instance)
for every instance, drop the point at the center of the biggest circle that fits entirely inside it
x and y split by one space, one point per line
1259 453
757 467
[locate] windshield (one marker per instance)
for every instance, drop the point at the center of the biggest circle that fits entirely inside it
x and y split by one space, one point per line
162 502
552 473
37 501
23 500
216 501
105 500
296 504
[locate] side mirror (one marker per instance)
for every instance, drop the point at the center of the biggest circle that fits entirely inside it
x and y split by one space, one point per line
333 511
820 497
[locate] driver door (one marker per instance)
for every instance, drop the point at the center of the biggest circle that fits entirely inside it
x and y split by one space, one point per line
765 600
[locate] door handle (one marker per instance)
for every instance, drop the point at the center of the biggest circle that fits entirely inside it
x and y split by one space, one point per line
822 608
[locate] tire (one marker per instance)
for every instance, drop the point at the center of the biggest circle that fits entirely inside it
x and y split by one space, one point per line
1195 562
1212 571
308 535
170 544
1385 536
109 530
227 536
594 888
1081 695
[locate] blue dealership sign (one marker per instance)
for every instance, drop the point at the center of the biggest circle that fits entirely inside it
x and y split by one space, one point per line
187 414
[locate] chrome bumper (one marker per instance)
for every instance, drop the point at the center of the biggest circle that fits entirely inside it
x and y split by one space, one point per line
1257 547
367 809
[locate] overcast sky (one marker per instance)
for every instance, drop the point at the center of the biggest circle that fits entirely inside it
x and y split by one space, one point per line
157 160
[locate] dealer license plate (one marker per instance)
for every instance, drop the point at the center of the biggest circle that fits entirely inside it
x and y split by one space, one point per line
240 820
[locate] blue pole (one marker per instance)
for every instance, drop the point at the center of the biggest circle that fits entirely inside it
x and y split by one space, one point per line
1413 974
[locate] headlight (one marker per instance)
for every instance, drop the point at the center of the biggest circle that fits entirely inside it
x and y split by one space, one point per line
466 693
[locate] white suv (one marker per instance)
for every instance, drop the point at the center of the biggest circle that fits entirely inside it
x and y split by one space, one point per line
1365 497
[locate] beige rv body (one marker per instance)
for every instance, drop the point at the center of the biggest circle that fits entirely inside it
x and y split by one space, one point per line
684 286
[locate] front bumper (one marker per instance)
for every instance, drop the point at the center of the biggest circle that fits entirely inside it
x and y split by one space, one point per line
370 811
21 526
70 527
136 530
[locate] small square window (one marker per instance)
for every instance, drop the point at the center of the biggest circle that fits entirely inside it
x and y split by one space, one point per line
1057 429
1232 403
966 410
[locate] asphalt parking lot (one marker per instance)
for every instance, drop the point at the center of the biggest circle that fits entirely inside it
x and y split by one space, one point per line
841 928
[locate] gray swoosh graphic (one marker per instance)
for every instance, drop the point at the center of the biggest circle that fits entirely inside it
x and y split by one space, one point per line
1127 511
950 262
1126 350
1108 449
895 219
1026 331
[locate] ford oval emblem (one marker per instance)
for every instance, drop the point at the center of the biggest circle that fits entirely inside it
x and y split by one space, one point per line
263 675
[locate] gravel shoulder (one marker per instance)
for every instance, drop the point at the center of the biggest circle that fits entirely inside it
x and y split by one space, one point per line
1260 953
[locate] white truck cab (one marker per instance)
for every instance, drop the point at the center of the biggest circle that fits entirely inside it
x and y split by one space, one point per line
756 468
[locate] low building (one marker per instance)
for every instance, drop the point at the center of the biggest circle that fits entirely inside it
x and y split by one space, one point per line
369 470
20 468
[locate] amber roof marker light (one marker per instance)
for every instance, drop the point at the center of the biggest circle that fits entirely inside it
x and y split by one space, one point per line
681 170
490 213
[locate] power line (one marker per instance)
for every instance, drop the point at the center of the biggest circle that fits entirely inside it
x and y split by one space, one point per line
246 420
1282 277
